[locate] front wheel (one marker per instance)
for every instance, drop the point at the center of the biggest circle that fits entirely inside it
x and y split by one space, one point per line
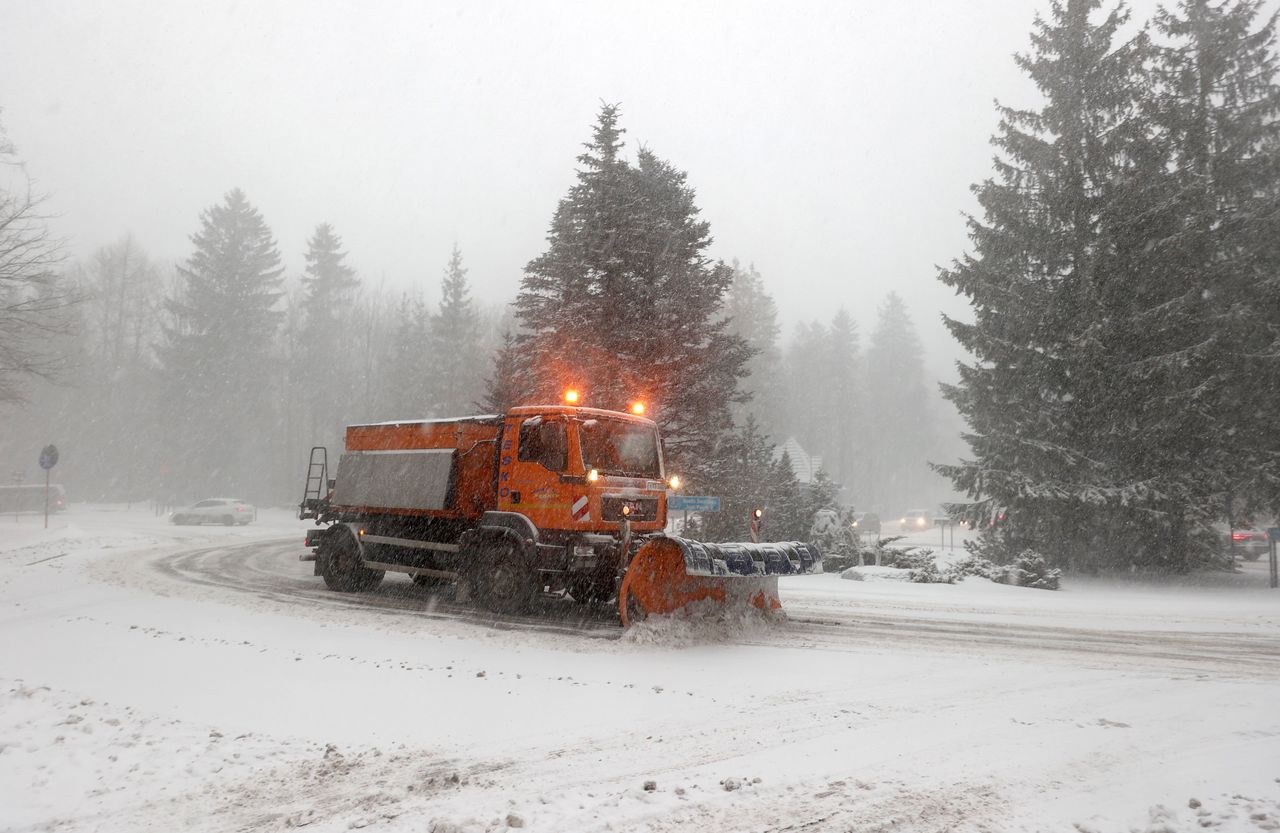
504 582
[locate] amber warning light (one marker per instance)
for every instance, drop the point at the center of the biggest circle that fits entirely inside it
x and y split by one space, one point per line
571 396
637 408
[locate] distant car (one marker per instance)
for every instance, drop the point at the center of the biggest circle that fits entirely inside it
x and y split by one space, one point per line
32 498
868 522
914 520
219 510
1248 541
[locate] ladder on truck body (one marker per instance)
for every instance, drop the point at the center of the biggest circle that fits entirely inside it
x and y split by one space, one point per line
315 496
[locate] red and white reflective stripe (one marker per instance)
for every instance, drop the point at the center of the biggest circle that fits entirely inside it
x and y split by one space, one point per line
580 510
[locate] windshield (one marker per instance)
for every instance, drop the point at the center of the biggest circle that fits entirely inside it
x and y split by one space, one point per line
613 446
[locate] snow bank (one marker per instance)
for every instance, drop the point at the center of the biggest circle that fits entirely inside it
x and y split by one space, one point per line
876 574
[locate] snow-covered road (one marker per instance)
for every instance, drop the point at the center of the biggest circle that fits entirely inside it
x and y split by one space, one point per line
162 678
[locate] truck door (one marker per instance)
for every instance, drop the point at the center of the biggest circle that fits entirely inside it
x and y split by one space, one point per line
529 477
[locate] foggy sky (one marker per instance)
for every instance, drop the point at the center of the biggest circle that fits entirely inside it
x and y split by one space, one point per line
833 145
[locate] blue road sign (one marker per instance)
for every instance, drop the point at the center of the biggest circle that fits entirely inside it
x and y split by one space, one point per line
693 503
1274 533
48 457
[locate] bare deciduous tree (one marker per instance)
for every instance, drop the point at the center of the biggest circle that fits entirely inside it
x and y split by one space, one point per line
33 301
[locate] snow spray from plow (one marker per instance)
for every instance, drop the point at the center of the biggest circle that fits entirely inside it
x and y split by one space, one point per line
669 573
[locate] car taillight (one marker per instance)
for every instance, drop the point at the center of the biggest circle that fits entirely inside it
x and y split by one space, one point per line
1240 536
239 508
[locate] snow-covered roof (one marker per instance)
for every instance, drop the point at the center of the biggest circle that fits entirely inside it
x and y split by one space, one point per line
473 418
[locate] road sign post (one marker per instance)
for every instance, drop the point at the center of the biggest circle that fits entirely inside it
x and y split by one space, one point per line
1273 540
756 524
48 459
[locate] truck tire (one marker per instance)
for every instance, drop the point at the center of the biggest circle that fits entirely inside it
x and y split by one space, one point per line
342 568
503 582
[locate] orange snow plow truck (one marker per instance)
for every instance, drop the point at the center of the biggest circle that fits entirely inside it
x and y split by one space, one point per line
542 499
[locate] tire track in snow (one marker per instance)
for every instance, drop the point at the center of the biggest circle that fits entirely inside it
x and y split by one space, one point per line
270 573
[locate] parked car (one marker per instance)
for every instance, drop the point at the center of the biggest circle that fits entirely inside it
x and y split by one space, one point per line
219 510
868 522
915 520
1248 541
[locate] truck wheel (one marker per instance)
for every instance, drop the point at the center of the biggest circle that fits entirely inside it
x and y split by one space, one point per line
503 582
343 571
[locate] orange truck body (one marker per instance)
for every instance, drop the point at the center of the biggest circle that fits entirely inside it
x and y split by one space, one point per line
489 474
555 497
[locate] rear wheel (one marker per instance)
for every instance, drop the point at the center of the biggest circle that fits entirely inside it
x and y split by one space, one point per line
228 520
343 570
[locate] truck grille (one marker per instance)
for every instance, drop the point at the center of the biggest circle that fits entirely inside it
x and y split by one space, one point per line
642 508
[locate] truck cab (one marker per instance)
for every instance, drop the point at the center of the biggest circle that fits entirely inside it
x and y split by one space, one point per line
582 469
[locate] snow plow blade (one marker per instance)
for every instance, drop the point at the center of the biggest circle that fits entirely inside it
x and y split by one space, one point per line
669 573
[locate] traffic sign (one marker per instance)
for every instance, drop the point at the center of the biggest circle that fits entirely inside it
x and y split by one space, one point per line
48 457
693 503
1273 533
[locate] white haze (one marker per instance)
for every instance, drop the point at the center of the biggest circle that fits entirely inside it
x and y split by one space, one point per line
832 144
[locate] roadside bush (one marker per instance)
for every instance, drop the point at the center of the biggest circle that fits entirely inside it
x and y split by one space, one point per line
972 564
1029 570
912 559
928 573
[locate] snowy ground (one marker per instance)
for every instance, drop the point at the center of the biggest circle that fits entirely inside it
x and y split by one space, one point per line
172 678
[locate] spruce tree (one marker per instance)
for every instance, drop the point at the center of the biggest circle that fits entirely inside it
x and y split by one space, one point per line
844 404
787 512
805 416
753 317
325 365
503 389
1218 112
625 304
898 412
455 359
743 466
408 376
216 353
1054 250
825 408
